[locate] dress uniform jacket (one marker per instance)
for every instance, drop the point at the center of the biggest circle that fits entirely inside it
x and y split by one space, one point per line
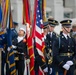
20 55
49 39
63 51
21 49
49 42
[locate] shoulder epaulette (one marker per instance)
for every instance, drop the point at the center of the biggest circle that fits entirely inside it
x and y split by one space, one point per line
2 33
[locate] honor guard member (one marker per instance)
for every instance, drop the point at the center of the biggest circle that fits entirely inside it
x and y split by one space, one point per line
64 51
50 37
20 50
13 30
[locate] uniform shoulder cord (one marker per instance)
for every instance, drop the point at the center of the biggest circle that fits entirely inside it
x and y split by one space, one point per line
59 42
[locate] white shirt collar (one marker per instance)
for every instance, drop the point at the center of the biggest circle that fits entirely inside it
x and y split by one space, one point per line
50 32
20 38
44 36
65 35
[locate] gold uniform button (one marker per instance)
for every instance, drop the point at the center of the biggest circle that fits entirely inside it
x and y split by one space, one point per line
68 54
50 51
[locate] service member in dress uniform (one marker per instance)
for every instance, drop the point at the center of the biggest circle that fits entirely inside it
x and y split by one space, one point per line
50 37
20 50
64 51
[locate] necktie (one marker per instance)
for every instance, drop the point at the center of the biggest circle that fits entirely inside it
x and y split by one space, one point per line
51 35
68 38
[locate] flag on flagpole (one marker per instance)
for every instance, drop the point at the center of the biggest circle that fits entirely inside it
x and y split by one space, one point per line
44 10
10 54
38 30
27 21
5 8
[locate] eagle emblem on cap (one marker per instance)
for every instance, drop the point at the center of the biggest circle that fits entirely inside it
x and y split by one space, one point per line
68 21
53 21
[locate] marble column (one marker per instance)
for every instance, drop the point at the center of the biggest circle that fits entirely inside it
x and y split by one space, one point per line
71 4
17 10
57 11
57 8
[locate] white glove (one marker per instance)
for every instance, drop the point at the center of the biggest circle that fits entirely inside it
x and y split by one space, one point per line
14 46
69 63
46 69
50 70
8 48
66 66
28 61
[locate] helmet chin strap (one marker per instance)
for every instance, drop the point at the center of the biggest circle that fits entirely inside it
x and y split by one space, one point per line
66 30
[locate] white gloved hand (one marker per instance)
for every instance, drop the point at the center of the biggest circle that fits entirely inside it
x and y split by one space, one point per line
46 69
69 63
14 46
66 66
50 70
8 48
28 61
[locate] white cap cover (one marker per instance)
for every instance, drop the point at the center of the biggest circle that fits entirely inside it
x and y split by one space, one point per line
23 29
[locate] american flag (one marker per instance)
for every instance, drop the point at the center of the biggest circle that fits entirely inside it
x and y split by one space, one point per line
38 30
